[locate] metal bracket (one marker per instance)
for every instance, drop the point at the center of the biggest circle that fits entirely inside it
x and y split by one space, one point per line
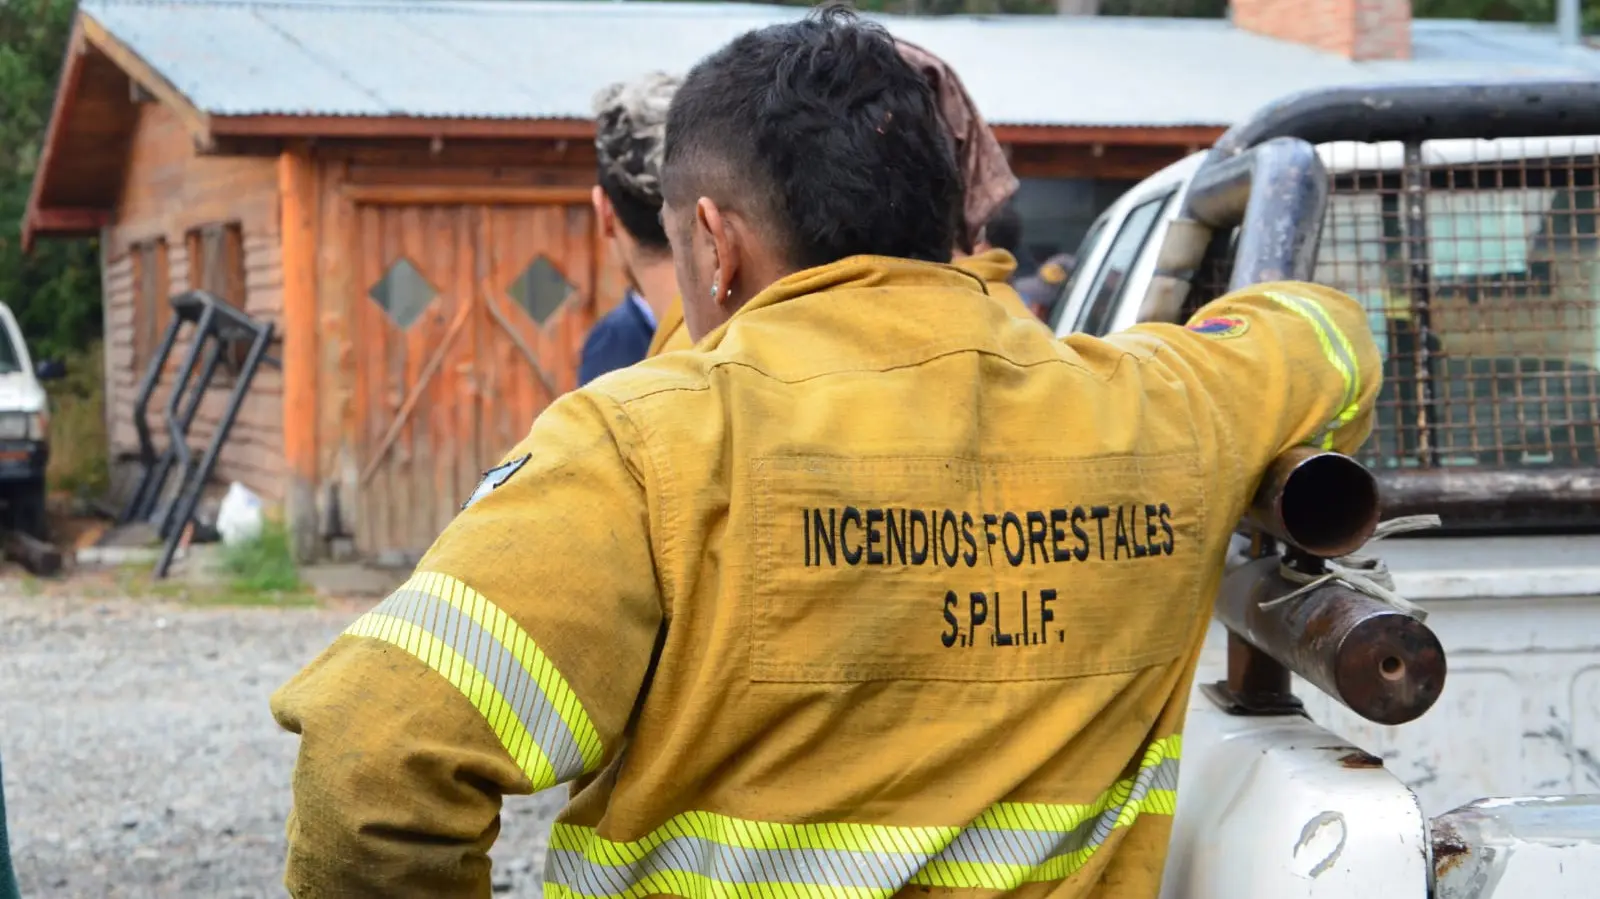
1253 704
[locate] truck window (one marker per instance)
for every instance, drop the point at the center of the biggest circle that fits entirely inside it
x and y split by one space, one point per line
1086 247
1109 281
10 359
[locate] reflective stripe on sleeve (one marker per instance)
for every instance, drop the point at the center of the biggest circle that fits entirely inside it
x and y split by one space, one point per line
703 855
483 653
1340 354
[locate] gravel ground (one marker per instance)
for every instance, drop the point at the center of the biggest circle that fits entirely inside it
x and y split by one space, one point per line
139 754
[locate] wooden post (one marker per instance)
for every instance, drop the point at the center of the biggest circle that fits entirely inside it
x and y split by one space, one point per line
297 197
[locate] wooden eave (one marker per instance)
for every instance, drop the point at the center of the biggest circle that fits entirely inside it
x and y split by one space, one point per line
92 118
336 127
72 65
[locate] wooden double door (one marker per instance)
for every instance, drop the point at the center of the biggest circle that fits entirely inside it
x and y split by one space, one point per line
465 321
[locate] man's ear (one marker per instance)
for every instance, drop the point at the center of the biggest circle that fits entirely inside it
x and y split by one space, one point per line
724 242
603 213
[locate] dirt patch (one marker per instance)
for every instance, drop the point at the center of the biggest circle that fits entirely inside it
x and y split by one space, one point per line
1450 851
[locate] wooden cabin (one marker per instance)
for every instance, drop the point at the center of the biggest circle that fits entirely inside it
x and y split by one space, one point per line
403 190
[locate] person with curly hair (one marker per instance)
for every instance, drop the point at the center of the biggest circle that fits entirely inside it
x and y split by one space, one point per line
630 124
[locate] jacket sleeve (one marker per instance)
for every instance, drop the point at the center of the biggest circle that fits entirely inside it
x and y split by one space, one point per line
510 662
1281 364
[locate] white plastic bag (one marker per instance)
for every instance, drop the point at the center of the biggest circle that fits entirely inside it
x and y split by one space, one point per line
239 519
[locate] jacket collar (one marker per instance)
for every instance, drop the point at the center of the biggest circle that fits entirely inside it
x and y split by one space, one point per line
994 266
871 313
853 273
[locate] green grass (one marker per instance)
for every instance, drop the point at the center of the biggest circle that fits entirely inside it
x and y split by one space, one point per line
78 443
264 565
229 594
259 573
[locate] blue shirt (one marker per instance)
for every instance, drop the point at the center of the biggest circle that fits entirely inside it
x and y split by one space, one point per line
618 340
645 310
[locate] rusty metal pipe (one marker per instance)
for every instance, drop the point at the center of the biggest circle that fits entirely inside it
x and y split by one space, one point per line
1494 498
1381 663
1323 503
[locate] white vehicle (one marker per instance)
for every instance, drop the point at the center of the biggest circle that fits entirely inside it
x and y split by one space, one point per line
24 429
1479 262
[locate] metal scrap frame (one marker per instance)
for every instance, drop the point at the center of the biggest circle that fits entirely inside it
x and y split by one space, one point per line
216 326
1259 171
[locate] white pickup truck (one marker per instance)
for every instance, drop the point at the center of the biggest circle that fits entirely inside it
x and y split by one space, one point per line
1479 262
24 429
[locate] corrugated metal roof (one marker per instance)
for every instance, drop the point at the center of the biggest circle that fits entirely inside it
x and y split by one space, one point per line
530 59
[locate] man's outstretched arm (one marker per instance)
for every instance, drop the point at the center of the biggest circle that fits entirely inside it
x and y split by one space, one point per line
508 663
1281 364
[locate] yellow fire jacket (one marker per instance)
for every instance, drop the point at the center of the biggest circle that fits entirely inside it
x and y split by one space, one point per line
883 592
995 267
671 334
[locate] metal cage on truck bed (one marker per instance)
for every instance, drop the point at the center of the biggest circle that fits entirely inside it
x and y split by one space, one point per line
1464 218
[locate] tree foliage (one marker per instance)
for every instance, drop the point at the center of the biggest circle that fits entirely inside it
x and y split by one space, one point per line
1209 9
55 290
944 7
1177 9
1541 11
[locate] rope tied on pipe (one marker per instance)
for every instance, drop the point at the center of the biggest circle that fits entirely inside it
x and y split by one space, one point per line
1367 575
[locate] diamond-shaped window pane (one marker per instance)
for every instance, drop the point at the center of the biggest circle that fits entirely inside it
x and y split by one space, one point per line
403 293
540 289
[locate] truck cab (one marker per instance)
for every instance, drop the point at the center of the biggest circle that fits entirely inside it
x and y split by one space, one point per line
1466 224
24 429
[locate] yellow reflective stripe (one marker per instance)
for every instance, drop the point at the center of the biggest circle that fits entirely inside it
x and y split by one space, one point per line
1353 385
464 677
738 832
492 661
1336 347
703 855
1046 816
695 885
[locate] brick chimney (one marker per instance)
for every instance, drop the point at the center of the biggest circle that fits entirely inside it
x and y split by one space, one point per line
1354 29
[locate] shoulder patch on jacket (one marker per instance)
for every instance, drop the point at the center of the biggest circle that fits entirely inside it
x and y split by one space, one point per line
1220 327
494 477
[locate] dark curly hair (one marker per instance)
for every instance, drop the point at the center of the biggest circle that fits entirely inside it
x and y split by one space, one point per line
821 134
639 216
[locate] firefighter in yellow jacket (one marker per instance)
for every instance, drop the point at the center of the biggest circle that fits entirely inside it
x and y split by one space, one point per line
882 591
